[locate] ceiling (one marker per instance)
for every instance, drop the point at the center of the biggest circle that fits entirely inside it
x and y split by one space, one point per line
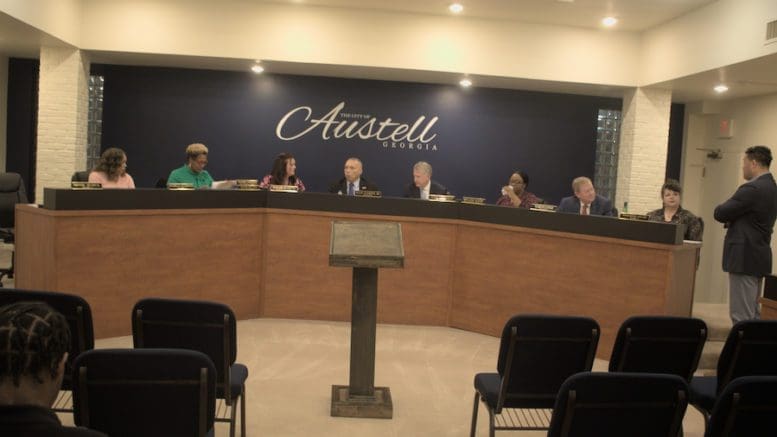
633 15
753 77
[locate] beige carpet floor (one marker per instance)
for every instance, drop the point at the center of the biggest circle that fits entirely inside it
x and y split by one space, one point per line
294 363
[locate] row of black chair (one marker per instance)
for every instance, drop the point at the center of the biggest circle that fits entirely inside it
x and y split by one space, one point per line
208 328
538 354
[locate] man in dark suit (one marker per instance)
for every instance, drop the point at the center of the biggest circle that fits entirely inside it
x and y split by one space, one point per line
423 185
749 216
353 180
585 201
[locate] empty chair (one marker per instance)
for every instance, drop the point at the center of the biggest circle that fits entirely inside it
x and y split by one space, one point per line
619 405
747 407
144 392
11 192
208 327
659 344
537 354
79 319
80 176
750 350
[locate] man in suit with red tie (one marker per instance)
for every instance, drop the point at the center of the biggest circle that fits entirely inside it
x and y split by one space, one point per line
353 180
585 201
749 216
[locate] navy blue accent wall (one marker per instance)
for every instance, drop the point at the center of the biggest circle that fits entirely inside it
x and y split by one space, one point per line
674 153
479 137
22 128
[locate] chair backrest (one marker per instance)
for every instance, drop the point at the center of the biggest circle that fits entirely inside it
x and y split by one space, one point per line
750 350
75 309
208 327
144 392
659 344
80 176
11 192
746 407
538 353
620 404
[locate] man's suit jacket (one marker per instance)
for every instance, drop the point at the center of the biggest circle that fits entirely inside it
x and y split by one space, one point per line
600 206
415 192
749 215
341 186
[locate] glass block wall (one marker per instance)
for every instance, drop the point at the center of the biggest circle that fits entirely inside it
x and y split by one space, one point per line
607 140
95 126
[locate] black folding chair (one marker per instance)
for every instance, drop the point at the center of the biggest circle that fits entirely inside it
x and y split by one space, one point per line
12 192
208 327
619 405
747 407
750 350
79 319
145 392
536 355
659 344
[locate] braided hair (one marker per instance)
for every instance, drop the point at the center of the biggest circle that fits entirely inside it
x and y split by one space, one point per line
33 339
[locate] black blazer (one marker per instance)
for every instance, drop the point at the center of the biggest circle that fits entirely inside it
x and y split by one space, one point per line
600 206
749 215
415 192
341 186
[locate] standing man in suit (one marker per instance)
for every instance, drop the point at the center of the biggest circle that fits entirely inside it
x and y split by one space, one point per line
423 185
749 216
353 180
585 201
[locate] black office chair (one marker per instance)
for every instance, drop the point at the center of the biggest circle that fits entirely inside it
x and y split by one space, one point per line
659 344
536 355
80 176
11 192
145 392
79 319
747 407
619 405
208 327
750 350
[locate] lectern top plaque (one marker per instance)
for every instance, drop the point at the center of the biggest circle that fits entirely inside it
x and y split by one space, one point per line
366 244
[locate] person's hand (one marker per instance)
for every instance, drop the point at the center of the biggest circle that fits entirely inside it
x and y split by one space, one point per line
507 189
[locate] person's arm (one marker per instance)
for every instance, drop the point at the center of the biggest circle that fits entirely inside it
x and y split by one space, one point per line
131 184
300 186
607 208
94 177
738 205
695 229
265 183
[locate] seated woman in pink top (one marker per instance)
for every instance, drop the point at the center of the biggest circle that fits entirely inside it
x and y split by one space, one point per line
111 171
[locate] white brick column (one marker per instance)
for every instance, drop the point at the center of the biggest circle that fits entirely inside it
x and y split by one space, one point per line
643 148
63 106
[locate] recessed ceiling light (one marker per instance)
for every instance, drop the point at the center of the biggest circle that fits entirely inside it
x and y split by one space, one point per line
456 8
257 68
609 21
720 89
465 83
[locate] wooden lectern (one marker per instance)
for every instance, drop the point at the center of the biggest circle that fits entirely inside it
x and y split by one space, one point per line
364 246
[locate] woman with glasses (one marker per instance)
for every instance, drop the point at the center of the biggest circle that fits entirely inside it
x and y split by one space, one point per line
514 193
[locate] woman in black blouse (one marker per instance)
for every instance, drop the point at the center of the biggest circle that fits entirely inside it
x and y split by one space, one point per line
672 212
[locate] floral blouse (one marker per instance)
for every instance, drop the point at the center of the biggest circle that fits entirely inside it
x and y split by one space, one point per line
527 200
267 181
694 226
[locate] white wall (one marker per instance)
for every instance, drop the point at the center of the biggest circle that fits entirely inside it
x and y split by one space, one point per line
722 33
59 18
361 37
754 123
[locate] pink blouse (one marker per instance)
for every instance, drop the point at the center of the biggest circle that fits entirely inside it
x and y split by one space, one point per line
124 181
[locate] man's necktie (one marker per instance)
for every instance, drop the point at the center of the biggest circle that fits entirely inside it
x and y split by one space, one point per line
585 209
350 189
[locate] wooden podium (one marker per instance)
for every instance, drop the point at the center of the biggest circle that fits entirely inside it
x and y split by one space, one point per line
365 247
